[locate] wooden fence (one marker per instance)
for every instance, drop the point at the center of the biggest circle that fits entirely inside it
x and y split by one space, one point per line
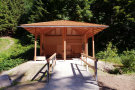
84 58
51 62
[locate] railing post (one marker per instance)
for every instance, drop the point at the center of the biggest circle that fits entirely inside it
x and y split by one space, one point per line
55 59
96 70
52 63
48 70
81 60
86 65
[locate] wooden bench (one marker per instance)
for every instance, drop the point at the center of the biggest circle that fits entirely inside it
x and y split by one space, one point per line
40 58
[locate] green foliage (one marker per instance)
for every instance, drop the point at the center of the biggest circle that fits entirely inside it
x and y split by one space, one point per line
110 54
10 12
16 55
128 61
53 10
39 12
8 64
120 16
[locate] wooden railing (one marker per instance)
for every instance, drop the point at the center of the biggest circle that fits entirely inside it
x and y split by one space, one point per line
84 58
51 62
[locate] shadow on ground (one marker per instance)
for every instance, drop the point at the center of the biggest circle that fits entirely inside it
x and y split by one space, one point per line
36 81
77 80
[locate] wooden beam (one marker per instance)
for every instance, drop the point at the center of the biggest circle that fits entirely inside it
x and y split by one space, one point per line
94 59
94 32
86 44
35 49
88 63
93 46
79 32
64 43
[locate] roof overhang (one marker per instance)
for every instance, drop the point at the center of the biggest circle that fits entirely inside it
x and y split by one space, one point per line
43 27
63 26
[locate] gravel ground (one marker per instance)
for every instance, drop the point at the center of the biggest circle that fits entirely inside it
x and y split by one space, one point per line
111 81
116 82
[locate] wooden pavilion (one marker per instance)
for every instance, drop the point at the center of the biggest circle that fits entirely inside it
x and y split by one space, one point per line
66 38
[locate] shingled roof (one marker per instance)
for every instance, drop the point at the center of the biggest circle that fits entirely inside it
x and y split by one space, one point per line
64 23
82 27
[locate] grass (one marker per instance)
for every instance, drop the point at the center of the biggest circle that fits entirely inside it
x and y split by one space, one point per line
15 55
115 60
3 43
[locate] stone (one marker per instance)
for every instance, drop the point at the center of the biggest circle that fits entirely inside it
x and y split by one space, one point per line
5 81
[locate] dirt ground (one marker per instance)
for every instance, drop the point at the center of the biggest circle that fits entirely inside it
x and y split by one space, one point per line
112 81
116 82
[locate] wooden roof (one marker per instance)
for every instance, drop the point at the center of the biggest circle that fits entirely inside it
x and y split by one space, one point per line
64 23
81 27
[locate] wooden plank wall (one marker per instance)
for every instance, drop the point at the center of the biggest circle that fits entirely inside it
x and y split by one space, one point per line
54 44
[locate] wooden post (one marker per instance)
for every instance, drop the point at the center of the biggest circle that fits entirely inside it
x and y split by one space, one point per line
95 64
81 60
93 52
48 70
64 43
86 44
93 47
87 65
35 49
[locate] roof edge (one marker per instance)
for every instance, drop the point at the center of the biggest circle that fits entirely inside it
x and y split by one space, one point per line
63 26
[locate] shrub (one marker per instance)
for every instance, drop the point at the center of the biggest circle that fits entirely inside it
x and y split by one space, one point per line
128 60
15 55
8 64
109 54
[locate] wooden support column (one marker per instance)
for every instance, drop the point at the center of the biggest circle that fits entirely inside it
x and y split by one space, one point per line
86 44
64 43
35 49
93 47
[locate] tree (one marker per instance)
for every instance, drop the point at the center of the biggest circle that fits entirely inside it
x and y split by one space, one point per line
10 12
47 10
120 16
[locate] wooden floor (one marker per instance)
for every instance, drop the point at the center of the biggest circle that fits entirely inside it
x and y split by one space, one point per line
71 75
